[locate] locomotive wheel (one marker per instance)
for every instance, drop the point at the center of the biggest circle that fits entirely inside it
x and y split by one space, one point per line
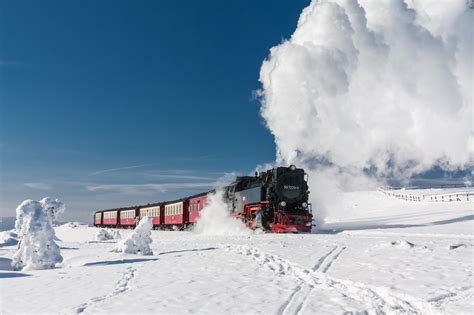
267 218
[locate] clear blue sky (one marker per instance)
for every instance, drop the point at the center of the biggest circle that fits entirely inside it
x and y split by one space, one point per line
110 103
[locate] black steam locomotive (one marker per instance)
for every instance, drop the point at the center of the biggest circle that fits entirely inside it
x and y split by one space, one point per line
275 200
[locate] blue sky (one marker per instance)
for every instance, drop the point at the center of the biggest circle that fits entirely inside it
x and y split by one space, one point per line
111 103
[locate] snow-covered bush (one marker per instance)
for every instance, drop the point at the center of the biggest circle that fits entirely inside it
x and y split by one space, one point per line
25 208
53 208
107 234
139 241
37 248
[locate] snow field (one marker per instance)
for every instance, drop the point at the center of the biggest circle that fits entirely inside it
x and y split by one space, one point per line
385 269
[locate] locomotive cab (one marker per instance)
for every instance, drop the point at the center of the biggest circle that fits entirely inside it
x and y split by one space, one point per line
278 196
291 188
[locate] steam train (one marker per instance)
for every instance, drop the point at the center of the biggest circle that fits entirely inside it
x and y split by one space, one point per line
275 200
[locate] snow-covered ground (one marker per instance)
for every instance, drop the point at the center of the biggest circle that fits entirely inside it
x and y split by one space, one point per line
376 254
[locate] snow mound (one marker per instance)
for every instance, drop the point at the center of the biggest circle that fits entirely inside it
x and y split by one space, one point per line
107 234
37 247
139 241
215 218
402 244
74 225
8 238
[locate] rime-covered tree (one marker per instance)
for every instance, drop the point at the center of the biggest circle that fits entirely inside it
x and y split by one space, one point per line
37 249
139 241
107 234
53 208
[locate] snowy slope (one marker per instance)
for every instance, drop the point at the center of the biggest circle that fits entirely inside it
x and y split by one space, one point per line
393 257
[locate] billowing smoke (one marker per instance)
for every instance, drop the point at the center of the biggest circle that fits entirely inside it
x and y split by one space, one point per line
215 218
372 88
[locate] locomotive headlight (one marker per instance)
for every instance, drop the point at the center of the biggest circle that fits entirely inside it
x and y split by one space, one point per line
304 205
292 167
283 203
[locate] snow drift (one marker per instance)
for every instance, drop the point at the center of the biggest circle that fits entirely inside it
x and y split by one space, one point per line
378 88
139 241
215 218
37 247
8 238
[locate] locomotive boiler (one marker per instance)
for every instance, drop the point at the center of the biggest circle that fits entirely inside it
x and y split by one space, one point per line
275 200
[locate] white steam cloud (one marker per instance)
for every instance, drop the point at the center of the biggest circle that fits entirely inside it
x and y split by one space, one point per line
215 218
384 86
372 87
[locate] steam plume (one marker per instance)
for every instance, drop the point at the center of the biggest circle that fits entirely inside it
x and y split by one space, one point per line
384 86
379 88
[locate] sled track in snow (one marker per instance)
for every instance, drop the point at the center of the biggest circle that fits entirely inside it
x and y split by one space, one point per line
120 287
375 299
297 300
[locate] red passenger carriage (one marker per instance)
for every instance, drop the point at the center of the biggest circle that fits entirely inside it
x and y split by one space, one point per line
129 217
176 213
195 205
155 211
110 217
98 218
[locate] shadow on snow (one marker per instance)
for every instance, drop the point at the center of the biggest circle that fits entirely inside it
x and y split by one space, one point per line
4 275
119 261
137 260
187 250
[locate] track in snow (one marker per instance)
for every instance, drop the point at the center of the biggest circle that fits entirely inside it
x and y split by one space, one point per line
297 301
120 287
376 300
465 293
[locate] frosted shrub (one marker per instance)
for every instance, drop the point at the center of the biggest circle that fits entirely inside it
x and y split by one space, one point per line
53 208
115 234
107 234
139 241
23 210
37 248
